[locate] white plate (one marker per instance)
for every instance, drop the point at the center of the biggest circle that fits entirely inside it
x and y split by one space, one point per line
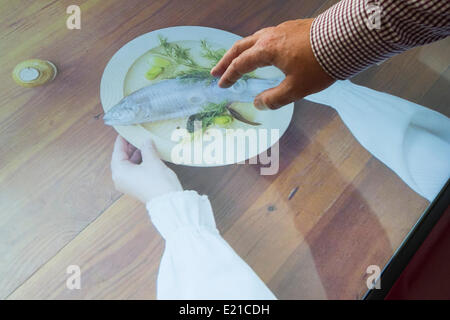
115 82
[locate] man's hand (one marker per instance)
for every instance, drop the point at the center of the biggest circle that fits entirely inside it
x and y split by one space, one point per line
141 173
286 46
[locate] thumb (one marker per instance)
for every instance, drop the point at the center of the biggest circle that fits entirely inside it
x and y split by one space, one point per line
149 152
275 98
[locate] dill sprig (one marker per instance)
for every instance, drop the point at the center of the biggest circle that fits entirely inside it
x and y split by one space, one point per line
213 55
177 53
182 57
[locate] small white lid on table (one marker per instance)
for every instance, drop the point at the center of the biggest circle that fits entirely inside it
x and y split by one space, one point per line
29 74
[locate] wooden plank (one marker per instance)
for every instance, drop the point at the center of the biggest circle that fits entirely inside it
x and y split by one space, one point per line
118 255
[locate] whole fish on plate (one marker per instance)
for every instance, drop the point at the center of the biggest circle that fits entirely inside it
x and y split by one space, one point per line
179 98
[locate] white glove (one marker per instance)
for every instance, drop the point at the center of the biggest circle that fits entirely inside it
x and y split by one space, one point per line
141 173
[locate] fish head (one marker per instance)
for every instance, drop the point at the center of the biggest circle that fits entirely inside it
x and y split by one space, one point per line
124 113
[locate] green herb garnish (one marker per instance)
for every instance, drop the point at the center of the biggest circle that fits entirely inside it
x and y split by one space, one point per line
213 55
176 52
207 115
194 71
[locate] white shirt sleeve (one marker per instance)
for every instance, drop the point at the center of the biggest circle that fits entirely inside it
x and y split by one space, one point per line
197 262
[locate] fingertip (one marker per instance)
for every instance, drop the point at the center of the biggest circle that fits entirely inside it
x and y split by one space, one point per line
136 157
275 98
217 71
258 104
225 83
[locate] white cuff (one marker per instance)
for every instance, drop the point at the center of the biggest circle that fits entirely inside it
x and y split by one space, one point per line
181 210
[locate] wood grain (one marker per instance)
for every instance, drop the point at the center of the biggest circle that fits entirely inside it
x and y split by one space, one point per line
58 206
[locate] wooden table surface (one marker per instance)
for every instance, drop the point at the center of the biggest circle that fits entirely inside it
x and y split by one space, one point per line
58 206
